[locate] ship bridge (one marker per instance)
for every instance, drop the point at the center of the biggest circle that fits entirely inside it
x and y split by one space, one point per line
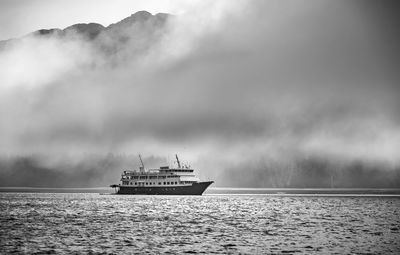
176 171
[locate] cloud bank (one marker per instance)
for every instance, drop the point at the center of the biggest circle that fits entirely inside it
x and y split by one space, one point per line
228 87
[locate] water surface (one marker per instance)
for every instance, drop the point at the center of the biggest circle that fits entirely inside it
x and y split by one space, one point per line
247 224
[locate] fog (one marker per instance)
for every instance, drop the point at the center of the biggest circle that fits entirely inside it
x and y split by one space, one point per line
256 94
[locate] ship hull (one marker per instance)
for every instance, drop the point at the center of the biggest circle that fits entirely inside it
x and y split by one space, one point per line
194 189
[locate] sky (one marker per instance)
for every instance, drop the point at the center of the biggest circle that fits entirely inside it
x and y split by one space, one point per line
227 86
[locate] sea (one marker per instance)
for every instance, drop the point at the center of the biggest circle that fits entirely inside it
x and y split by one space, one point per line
216 223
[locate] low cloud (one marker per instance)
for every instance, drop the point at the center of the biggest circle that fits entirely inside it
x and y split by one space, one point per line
223 86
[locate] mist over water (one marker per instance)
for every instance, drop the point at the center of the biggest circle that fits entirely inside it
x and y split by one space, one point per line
96 170
256 94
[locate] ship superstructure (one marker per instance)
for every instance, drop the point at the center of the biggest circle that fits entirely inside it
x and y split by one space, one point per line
179 180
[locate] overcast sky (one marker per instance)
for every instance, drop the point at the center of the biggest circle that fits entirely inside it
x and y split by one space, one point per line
225 82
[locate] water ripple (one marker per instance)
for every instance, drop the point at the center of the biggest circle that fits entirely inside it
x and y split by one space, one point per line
95 224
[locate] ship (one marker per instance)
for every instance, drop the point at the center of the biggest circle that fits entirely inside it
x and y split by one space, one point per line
180 180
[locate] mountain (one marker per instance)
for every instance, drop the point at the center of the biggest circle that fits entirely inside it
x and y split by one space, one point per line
140 23
91 30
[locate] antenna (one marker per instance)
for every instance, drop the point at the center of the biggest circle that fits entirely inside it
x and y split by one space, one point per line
177 160
141 161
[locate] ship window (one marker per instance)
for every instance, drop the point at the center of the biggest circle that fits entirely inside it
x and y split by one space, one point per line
146 183
168 183
159 183
164 183
135 183
131 183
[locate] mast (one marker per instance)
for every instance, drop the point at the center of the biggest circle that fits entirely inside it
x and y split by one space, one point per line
141 161
177 160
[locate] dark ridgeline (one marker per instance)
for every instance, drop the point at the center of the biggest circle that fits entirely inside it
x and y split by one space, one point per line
312 172
108 38
96 170
91 170
92 30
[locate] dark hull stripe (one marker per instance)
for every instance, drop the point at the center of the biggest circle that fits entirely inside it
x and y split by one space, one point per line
194 189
